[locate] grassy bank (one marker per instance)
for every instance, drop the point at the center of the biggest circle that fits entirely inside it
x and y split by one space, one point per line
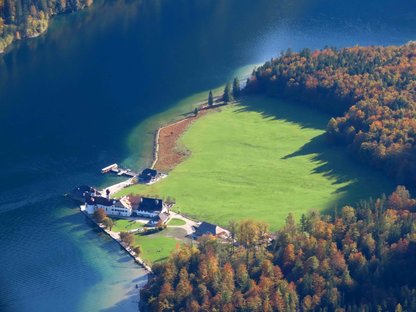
260 160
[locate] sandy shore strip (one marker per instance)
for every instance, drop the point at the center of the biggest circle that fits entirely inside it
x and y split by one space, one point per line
167 154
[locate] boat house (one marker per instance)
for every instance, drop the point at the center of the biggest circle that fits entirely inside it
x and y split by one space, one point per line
148 175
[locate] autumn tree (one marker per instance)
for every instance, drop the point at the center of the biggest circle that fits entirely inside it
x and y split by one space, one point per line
108 223
184 287
137 250
99 215
400 199
340 263
127 238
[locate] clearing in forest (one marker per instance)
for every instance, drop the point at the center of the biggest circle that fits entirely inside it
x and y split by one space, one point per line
262 159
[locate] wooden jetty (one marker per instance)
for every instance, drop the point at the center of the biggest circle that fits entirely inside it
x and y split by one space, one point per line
114 168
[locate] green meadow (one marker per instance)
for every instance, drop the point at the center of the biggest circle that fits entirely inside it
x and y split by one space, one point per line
121 225
261 159
158 246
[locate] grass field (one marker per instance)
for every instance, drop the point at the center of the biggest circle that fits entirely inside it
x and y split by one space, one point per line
260 160
157 247
176 222
125 225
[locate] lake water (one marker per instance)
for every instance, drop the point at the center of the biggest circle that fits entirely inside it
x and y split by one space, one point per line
83 95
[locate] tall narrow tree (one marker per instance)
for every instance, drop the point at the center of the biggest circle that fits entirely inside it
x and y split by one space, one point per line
236 88
227 96
210 99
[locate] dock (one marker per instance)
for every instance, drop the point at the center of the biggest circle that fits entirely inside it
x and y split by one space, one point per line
114 168
111 168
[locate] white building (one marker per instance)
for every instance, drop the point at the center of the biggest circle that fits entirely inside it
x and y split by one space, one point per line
112 207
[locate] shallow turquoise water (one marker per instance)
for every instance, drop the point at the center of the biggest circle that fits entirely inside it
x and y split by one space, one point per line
71 99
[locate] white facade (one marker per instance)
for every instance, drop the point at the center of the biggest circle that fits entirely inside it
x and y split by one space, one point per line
147 214
117 208
150 214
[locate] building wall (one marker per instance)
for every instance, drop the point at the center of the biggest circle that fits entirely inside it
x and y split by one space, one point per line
90 209
146 214
110 210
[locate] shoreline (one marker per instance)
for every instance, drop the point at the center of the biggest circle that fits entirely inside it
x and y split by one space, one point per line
156 157
157 140
165 153
203 109
112 235
121 185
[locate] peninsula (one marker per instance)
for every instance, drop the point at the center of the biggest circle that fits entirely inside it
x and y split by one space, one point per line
241 171
319 263
319 134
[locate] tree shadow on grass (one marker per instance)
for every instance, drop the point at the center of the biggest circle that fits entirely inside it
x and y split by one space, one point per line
275 109
354 181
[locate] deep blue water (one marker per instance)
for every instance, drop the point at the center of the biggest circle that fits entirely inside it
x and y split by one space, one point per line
70 99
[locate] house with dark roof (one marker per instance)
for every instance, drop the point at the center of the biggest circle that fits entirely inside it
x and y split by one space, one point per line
206 228
114 207
150 207
148 175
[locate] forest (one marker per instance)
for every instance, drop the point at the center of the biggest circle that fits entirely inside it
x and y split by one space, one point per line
359 259
29 18
370 91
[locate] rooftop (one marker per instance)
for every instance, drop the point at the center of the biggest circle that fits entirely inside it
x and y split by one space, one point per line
103 201
147 175
206 228
150 204
99 200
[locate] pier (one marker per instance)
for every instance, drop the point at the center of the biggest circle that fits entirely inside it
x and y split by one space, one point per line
114 168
